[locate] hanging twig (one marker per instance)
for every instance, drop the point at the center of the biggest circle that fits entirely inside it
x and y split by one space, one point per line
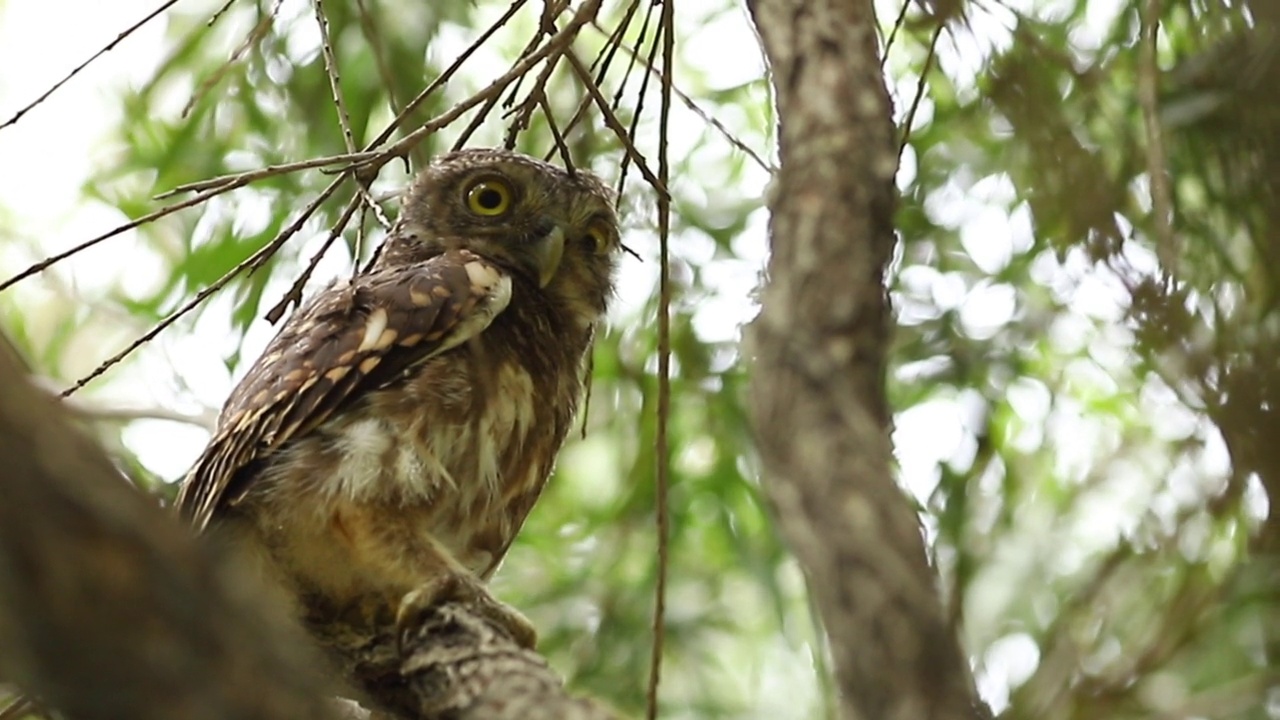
344 121
492 102
921 84
661 447
448 73
1157 164
611 120
558 43
898 23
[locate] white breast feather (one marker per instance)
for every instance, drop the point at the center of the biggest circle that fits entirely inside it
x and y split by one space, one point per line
363 446
374 453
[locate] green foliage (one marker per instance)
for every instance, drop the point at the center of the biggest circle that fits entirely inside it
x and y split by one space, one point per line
1101 528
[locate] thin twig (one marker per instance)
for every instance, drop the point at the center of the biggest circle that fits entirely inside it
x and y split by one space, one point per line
331 70
491 103
634 55
217 14
556 135
577 116
255 34
644 85
344 121
599 66
640 94
208 189
373 36
535 97
614 41
240 179
155 215
1157 165
77 69
893 34
615 125
661 448
444 76
551 9
706 116
920 88
250 264
294 294
557 43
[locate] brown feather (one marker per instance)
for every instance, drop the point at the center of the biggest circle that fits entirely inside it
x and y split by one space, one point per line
402 425
323 355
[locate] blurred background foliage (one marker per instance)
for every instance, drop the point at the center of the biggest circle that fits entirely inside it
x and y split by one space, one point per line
1084 373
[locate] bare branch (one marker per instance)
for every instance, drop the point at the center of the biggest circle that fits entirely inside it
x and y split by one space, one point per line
450 661
294 294
344 121
106 605
556 44
615 124
240 179
255 34
446 75
250 264
704 115
661 449
77 69
921 84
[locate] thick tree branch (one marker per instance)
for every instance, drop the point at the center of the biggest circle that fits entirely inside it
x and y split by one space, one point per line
451 661
109 609
818 391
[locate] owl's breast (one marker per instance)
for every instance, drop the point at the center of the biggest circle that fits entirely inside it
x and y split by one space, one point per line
447 462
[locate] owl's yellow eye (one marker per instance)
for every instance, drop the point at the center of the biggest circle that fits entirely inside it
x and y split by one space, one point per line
489 198
599 235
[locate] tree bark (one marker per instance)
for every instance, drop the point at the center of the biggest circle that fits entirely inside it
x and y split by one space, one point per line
450 661
110 609
818 391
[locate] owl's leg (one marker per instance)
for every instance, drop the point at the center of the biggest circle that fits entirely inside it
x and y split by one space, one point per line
461 586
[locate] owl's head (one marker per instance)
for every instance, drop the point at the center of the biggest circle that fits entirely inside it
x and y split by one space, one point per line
555 231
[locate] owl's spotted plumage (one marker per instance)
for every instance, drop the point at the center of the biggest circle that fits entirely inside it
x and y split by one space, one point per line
402 424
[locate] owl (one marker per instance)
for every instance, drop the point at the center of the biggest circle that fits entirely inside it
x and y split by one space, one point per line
401 425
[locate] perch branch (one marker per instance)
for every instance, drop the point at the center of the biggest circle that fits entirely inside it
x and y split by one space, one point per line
109 609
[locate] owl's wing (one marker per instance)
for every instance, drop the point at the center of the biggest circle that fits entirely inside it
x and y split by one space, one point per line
347 340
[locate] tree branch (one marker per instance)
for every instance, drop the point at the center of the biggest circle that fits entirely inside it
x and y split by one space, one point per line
451 661
109 609
818 396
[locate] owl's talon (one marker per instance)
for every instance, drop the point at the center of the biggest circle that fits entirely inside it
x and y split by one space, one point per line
466 589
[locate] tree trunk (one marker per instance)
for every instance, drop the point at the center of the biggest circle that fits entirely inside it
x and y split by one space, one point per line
818 385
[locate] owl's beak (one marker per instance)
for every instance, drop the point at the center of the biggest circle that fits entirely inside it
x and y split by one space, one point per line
546 254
